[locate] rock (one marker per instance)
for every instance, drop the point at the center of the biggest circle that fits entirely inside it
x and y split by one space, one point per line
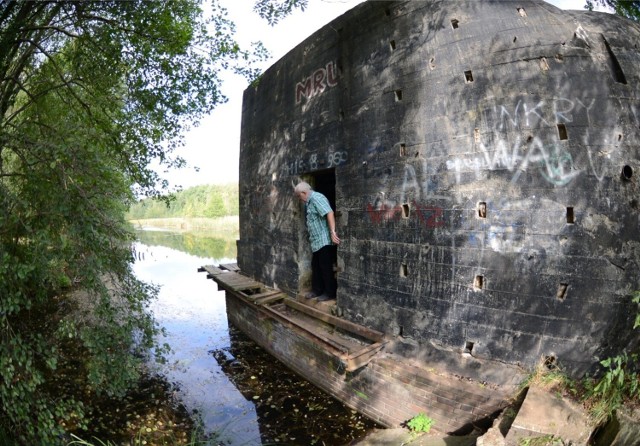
493 437
546 414
622 430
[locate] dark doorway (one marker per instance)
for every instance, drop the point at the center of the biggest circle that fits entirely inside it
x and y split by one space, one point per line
323 181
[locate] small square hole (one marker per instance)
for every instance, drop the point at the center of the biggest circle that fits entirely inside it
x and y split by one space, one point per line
403 149
571 218
454 23
544 65
522 12
482 209
398 94
550 362
392 44
405 210
468 76
562 132
468 347
561 294
404 270
478 282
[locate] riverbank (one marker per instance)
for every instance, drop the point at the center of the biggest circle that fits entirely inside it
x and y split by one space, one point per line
228 225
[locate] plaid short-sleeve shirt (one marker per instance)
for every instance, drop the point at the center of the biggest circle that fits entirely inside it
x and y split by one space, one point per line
316 209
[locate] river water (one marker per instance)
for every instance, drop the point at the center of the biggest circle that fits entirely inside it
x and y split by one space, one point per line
242 395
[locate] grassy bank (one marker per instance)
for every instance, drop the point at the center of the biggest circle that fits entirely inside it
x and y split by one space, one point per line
228 224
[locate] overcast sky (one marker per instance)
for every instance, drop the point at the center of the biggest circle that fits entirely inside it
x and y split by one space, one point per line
214 146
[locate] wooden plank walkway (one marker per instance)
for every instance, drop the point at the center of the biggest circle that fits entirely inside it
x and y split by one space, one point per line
320 325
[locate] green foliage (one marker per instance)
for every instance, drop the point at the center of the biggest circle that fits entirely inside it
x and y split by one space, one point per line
421 423
208 201
543 440
625 8
275 10
636 299
92 93
619 383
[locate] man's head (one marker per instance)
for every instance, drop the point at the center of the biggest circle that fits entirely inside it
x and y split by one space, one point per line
302 191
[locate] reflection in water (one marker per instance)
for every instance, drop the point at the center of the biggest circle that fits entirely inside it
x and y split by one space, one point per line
290 409
194 316
201 244
242 394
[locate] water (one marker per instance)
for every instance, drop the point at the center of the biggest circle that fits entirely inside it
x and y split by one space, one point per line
241 394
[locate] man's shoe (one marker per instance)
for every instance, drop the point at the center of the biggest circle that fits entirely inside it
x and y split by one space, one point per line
324 297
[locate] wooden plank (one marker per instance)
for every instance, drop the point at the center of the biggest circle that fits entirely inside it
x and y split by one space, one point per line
230 266
236 282
210 269
364 332
314 333
362 357
267 293
271 299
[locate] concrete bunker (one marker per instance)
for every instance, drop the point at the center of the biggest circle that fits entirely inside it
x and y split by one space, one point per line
495 217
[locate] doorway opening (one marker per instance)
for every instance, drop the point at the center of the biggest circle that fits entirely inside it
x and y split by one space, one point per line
324 182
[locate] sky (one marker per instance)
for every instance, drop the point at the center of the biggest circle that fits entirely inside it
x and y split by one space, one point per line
214 146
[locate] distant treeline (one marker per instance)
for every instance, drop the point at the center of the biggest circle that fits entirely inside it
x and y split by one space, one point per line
208 201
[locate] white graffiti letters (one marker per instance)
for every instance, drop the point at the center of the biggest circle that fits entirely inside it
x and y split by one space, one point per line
523 115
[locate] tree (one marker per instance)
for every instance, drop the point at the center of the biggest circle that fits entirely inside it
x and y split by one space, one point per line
626 8
91 94
275 10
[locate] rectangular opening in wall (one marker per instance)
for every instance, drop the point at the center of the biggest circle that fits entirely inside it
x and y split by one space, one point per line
454 23
468 347
392 44
482 209
562 132
571 219
522 12
468 76
549 361
404 270
403 149
478 282
405 210
544 65
562 291
476 135
398 94
614 65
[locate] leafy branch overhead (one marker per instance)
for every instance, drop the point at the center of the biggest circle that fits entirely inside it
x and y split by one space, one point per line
92 94
626 8
275 10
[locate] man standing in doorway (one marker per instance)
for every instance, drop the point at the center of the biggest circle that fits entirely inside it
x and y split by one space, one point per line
321 224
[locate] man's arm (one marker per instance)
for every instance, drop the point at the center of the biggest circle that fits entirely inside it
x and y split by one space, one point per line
331 219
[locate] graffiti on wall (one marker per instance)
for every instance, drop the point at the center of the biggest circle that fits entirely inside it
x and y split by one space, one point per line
318 82
315 162
416 194
429 216
553 160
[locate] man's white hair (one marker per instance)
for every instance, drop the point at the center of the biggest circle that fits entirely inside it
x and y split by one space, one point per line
302 186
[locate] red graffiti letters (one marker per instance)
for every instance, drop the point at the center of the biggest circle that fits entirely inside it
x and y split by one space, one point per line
430 216
318 82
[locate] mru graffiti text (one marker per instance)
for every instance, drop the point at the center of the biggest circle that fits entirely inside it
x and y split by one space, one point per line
318 82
